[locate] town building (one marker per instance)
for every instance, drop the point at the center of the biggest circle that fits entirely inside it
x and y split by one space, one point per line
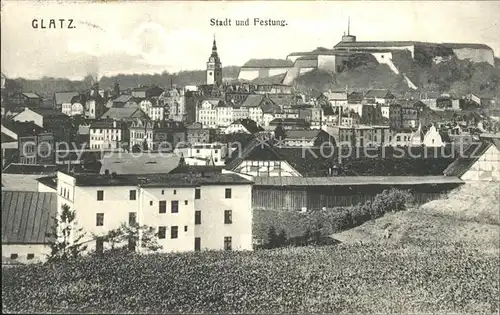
307 138
27 218
108 135
243 126
156 135
215 153
173 101
50 119
95 104
62 101
360 135
27 99
188 209
146 92
195 133
379 96
124 114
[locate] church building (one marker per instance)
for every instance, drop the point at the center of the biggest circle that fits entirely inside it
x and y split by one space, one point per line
214 67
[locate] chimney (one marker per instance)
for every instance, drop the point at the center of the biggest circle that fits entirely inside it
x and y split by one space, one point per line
114 123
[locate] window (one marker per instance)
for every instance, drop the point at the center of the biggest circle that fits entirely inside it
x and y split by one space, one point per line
132 194
175 192
132 218
185 202
162 231
197 243
185 228
197 151
228 217
99 219
174 206
151 202
197 217
228 193
197 193
163 192
174 231
162 206
13 256
227 243
30 256
100 195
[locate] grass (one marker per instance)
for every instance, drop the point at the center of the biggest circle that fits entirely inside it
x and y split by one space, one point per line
435 263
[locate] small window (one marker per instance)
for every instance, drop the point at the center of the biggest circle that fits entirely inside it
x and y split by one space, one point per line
174 206
162 232
163 192
185 202
175 192
132 218
30 256
132 194
13 256
100 195
151 202
197 193
227 243
99 219
185 228
162 207
197 217
228 217
197 151
228 193
174 231
197 243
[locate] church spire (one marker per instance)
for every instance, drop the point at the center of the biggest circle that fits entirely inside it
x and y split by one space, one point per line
214 46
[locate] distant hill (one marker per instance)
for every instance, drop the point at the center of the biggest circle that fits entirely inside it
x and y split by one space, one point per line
46 87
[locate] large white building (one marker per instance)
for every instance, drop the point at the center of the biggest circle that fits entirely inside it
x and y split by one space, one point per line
108 135
190 210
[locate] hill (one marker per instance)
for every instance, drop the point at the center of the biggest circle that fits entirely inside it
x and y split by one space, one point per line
468 215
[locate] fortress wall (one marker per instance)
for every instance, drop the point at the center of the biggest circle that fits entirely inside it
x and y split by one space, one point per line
475 54
305 70
326 62
293 58
306 63
276 71
248 73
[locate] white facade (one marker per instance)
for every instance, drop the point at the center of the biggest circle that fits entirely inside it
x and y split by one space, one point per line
116 205
106 137
211 151
156 113
235 128
432 138
25 253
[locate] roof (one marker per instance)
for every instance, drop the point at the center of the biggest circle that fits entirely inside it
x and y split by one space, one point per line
268 63
122 99
274 79
7 138
379 93
48 112
187 179
34 169
27 217
470 155
20 182
107 124
354 180
265 148
130 163
466 45
302 134
252 100
31 95
249 125
124 113
50 181
64 97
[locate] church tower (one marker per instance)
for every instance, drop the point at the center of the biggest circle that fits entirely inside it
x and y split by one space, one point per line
214 67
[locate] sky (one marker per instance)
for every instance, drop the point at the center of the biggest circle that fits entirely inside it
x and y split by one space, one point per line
154 36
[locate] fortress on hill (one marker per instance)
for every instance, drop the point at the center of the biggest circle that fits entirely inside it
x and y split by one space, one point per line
336 59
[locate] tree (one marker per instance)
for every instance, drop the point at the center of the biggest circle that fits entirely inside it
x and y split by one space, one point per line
136 148
65 237
144 145
282 239
132 234
272 237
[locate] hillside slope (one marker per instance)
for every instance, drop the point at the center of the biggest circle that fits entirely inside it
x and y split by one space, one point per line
469 215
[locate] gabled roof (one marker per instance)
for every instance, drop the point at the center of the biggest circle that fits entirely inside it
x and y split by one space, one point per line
48 112
22 129
268 63
253 100
302 134
257 149
379 93
470 155
7 138
249 125
122 99
27 217
124 113
64 97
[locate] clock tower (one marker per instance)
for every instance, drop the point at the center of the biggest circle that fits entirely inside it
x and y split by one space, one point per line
214 67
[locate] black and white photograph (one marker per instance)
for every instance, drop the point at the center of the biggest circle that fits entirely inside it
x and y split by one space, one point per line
250 157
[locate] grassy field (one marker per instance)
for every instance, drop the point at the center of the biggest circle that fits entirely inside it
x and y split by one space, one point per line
430 265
